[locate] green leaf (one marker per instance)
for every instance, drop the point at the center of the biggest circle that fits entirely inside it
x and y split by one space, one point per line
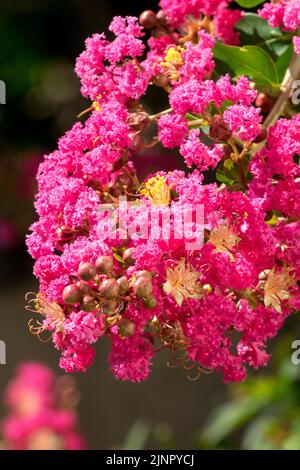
256 31
222 178
230 172
249 3
251 61
137 435
119 258
229 417
283 61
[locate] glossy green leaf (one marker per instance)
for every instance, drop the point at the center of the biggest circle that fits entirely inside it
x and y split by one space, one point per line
252 61
255 31
249 3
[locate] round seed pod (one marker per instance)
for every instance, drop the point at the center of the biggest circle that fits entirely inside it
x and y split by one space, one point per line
88 304
83 287
104 264
123 285
150 302
86 271
126 328
161 80
109 307
71 294
109 289
262 135
219 130
148 19
264 102
143 273
128 256
142 287
162 17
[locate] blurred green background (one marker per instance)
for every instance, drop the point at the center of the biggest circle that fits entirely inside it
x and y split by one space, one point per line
39 44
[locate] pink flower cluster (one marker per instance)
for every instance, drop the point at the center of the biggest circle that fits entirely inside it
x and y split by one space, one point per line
216 307
284 14
40 414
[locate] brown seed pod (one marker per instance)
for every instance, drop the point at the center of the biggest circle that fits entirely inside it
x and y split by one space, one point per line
86 271
219 130
88 304
148 19
71 294
261 136
128 256
126 328
142 287
150 302
123 285
104 264
109 289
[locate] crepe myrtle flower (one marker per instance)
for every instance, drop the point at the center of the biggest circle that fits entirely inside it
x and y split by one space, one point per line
148 293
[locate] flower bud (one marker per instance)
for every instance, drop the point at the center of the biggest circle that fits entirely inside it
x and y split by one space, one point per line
71 294
109 289
161 80
142 287
226 151
126 328
143 273
65 232
261 136
83 287
128 256
104 264
150 302
124 179
218 129
158 31
88 304
109 307
264 102
86 271
139 121
148 19
162 17
123 285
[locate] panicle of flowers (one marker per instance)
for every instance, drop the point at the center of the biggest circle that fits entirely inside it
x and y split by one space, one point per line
214 307
284 14
41 411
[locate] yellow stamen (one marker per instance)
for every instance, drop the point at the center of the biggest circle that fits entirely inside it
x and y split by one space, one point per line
183 283
224 239
276 289
157 190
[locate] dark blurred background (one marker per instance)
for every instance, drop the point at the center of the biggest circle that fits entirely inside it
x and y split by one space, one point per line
39 44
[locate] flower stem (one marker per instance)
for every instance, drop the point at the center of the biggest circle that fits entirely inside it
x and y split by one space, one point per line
154 117
292 74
